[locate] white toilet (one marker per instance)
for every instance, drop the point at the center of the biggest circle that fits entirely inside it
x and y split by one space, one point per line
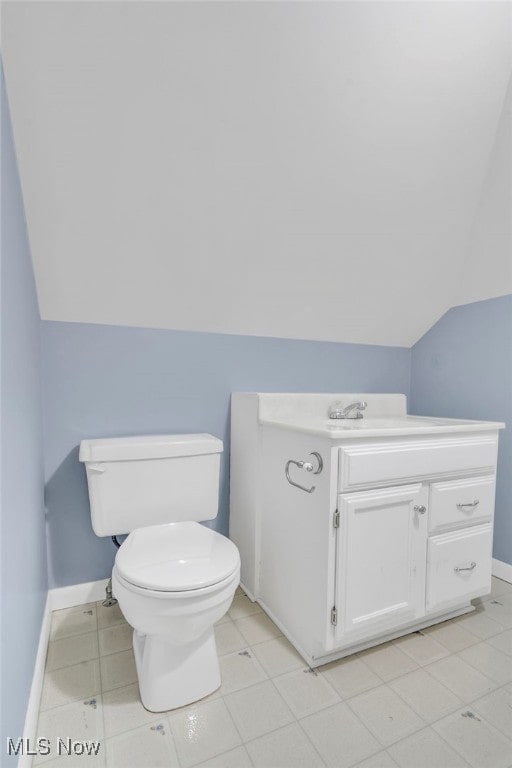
173 577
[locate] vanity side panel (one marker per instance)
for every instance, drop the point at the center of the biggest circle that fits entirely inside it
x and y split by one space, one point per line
298 539
244 528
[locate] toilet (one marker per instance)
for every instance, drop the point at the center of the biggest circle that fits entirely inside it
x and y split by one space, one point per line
173 577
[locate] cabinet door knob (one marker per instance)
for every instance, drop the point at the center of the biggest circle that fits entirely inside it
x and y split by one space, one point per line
420 509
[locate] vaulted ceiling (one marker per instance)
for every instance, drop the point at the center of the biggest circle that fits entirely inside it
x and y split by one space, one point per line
337 171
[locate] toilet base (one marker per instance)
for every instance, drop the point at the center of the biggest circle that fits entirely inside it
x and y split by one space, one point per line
172 676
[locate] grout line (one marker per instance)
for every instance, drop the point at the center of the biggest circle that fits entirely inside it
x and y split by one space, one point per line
101 689
296 718
452 746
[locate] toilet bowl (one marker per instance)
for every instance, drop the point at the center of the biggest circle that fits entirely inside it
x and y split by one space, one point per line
173 582
173 577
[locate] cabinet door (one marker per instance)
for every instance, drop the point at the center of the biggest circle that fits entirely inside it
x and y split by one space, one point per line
381 560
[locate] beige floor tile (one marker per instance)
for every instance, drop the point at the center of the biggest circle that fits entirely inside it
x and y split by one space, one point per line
123 711
500 587
258 710
228 639
421 648
499 609
480 625
385 714
148 747
496 708
429 698
502 642
79 721
450 634
223 620
305 691
235 758
288 747
72 650
117 670
62 686
73 621
109 615
489 661
257 628
380 760
388 661
239 670
202 731
481 745
426 749
350 676
277 656
340 737
464 680
80 761
242 606
115 639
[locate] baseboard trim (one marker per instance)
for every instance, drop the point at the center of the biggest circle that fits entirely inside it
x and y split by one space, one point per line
502 570
36 689
77 594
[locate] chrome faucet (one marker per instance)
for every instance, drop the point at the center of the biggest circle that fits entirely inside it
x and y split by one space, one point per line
352 411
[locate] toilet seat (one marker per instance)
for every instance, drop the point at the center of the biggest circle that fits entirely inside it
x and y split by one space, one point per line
176 557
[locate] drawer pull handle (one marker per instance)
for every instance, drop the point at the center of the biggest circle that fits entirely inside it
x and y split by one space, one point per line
469 568
471 504
420 509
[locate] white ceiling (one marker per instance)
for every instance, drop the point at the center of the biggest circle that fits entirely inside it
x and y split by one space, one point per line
332 171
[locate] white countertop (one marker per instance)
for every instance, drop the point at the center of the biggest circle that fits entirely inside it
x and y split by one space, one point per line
385 426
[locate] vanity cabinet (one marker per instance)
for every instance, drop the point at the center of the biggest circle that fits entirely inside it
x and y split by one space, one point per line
388 532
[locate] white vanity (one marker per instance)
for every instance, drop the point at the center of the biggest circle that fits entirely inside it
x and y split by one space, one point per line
355 531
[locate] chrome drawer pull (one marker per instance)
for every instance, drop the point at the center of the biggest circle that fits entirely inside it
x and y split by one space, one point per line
470 568
472 504
420 509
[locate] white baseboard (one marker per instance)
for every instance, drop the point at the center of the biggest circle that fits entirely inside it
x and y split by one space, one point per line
77 594
502 570
36 689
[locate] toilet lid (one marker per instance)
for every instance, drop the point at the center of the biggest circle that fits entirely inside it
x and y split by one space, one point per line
176 557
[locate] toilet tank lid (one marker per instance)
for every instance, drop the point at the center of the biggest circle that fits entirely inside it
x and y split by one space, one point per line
148 447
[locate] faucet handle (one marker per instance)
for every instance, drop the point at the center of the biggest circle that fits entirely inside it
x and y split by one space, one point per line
336 411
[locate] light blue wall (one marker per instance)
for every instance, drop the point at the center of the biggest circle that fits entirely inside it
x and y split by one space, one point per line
23 541
463 368
107 380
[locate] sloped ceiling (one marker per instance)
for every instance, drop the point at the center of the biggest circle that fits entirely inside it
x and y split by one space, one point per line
331 171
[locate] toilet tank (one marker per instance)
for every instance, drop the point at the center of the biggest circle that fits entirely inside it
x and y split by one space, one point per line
151 479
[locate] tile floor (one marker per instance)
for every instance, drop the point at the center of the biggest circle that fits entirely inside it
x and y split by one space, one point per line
441 698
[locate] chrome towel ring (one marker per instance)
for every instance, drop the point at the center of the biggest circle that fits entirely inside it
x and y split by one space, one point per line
308 466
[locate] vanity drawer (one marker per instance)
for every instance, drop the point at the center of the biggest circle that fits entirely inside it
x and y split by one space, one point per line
458 566
461 502
393 462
